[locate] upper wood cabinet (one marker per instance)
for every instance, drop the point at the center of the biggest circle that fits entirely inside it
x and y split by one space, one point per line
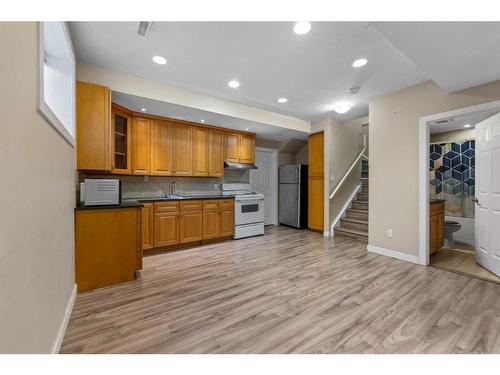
93 127
162 148
316 163
216 153
201 147
247 148
121 140
240 148
183 149
232 149
141 146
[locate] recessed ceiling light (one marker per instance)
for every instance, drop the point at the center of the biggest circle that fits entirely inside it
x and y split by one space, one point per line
246 129
342 107
359 63
467 125
302 27
233 84
202 120
159 60
143 109
282 100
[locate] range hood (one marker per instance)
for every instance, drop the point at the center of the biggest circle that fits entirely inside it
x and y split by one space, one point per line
239 166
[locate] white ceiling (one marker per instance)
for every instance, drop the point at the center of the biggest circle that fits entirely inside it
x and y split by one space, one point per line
458 122
313 71
455 55
155 107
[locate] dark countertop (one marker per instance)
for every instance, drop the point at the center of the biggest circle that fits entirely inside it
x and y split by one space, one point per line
124 204
179 198
435 201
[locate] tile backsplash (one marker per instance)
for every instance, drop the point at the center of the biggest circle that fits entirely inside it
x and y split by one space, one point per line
154 186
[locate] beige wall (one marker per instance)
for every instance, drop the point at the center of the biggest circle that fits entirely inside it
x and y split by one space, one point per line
453 136
37 168
394 162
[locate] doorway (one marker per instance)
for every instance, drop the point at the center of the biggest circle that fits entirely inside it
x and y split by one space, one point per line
264 180
456 228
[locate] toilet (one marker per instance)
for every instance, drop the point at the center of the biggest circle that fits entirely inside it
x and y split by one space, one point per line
450 227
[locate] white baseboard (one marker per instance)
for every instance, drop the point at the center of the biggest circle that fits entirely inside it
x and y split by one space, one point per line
464 240
344 208
326 233
64 324
393 254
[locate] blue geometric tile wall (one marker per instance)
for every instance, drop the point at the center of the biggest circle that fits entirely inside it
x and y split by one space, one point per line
452 171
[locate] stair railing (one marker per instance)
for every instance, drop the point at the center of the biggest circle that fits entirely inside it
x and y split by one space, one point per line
354 163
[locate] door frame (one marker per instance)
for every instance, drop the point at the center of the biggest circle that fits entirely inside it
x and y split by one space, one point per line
424 189
274 180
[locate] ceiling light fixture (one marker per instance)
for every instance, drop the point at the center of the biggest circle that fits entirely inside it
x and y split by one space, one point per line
159 60
202 120
143 109
246 129
302 27
233 84
342 107
467 125
359 63
282 100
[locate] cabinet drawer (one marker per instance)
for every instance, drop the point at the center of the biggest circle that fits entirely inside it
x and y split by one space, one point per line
212 204
191 205
170 206
436 208
226 203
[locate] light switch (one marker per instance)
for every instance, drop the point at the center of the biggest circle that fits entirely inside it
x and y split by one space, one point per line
389 233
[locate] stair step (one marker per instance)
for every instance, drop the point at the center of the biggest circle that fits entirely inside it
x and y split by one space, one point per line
351 233
363 205
362 197
357 214
356 224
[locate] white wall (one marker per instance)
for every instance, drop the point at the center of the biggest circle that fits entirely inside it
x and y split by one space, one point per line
394 157
37 168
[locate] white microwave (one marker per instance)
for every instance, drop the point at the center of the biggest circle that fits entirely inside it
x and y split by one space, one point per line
100 192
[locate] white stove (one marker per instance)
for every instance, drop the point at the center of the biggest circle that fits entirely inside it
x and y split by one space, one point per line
248 210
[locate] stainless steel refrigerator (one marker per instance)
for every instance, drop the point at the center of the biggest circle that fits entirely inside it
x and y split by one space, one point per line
292 210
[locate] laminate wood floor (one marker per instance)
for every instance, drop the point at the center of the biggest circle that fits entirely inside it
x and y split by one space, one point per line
288 291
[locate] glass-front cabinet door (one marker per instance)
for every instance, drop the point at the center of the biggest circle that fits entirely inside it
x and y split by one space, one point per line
121 140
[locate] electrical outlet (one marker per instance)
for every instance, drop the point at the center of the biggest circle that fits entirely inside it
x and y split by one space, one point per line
389 233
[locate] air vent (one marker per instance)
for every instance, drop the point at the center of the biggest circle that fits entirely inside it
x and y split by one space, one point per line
144 28
445 121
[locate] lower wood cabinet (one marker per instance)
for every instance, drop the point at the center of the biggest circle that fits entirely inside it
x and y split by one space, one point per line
147 226
107 246
436 227
190 226
171 223
166 229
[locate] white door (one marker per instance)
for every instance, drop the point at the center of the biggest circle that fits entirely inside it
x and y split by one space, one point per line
264 180
488 194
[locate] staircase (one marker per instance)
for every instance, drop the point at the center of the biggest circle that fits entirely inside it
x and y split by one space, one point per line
355 223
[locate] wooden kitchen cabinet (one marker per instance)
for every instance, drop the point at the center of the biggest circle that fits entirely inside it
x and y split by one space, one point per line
239 148
201 145
226 222
247 148
121 140
107 246
211 223
190 226
166 229
436 227
232 147
147 222
183 149
316 182
93 127
162 148
216 153
141 146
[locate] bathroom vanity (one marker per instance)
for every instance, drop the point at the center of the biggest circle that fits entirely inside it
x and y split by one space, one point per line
436 226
